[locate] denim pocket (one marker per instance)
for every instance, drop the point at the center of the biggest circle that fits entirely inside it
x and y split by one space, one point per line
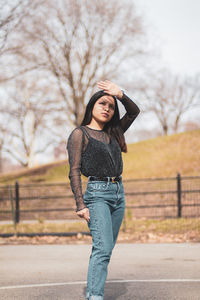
89 194
89 186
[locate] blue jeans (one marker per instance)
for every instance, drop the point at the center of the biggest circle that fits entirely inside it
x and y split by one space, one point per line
106 203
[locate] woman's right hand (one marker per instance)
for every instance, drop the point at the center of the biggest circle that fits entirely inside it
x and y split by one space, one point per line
84 213
111 88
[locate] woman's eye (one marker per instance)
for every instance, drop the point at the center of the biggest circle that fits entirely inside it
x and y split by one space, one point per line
110 106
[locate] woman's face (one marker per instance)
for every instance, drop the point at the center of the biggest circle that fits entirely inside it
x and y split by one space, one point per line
104 109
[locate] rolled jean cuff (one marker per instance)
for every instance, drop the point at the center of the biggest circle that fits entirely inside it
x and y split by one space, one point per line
93 297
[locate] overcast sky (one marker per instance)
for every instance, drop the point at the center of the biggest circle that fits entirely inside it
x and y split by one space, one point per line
177 24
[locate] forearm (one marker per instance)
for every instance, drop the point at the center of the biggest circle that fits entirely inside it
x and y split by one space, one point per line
132 111
130 106
76 187
74 147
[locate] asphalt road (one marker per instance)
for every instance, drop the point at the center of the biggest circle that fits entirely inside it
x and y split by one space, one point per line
136 271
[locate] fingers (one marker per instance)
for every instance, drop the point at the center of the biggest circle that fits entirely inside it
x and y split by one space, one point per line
104 84
84 214
87 216
109 88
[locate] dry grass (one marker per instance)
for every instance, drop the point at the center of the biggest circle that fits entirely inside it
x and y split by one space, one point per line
43 226
181 225
137 231
164 156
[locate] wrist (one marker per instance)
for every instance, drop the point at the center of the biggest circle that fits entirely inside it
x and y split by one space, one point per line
79 209
120 95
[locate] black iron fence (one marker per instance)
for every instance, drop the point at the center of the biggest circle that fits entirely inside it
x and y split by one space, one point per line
172 197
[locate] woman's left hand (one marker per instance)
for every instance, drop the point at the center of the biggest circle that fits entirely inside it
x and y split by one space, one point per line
110 88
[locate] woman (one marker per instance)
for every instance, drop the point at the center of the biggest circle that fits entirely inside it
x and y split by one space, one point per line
94 149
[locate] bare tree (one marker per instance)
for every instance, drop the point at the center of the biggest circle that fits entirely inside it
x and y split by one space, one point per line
60 151
3 134
80 42
31 109
169 97
191 125
12 14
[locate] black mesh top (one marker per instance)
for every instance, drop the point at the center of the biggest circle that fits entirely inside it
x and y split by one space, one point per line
92 153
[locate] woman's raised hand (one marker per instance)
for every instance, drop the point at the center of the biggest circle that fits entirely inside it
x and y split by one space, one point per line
110 88
84 213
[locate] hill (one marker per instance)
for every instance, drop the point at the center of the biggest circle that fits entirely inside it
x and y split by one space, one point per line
164 156
158 157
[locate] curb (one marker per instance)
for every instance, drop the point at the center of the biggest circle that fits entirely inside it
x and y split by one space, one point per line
4 235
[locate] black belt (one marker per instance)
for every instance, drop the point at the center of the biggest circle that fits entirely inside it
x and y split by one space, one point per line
112 179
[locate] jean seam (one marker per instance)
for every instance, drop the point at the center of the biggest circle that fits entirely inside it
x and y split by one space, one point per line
100 242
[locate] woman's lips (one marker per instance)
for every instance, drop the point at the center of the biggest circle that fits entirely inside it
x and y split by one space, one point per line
105 115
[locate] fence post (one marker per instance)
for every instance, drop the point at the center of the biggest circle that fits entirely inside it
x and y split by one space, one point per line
17 211
12 205
179 195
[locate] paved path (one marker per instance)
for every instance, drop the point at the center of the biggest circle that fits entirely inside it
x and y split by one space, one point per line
136 271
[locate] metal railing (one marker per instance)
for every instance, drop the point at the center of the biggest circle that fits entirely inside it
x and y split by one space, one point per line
171 197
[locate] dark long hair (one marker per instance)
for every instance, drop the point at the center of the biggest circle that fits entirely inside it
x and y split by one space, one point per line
112 127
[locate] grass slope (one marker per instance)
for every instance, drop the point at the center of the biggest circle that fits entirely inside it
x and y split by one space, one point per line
164 156
158 157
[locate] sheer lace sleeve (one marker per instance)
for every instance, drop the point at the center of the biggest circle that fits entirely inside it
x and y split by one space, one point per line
74 148
132 111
